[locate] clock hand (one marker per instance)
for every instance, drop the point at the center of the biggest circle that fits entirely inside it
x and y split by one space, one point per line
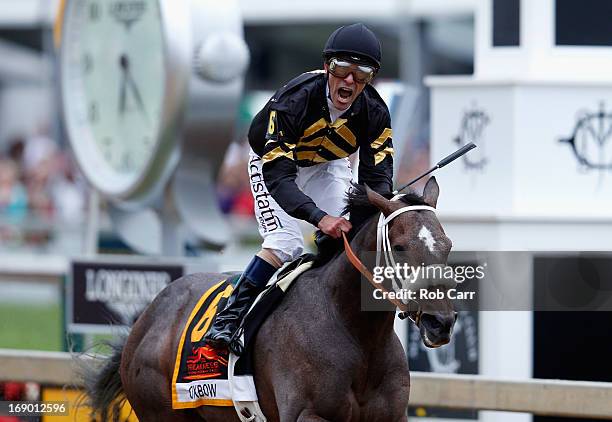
122 95
128 80
136 93
123 62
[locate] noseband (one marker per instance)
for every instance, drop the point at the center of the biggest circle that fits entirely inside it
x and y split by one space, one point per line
383 248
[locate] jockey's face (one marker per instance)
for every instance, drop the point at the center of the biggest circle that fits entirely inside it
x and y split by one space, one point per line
343 91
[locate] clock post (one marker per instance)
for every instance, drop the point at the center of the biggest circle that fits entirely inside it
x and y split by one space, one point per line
150 92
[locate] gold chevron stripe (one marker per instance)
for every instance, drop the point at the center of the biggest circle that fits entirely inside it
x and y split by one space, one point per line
334 149
312 142
387 133
277 153
318 159
382 154
347 135
316 126
338 123
305 155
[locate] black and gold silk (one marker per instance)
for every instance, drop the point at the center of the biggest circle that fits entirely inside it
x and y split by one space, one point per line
294 130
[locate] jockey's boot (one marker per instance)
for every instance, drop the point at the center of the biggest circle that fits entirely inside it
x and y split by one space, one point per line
251 283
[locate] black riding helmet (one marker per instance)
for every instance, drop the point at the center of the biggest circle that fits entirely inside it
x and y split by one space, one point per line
356 42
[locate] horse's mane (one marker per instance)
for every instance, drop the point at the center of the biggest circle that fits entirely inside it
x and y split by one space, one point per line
361 211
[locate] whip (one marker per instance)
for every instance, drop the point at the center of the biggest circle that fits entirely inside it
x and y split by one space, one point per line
448 159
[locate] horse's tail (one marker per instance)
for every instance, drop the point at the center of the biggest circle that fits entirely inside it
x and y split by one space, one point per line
103 389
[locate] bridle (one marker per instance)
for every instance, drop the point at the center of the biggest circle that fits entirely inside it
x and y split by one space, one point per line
383 248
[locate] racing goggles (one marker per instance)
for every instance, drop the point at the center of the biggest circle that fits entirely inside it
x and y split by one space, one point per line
341 69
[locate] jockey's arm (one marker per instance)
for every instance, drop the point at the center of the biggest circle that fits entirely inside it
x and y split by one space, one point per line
376 157
279 175
376 163
280 171
280 180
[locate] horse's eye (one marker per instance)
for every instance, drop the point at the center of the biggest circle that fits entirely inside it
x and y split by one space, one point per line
398 248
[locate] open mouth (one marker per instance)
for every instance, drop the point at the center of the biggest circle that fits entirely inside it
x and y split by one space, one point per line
427 342
433 344
345 93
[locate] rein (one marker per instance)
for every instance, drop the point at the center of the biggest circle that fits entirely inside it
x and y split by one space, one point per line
383 247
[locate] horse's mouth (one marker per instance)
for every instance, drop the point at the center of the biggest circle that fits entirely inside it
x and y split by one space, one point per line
433 344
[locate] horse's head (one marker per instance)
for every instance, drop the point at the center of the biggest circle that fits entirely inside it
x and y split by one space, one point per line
416 238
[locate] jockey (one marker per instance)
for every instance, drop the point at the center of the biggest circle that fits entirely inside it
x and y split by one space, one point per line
298 163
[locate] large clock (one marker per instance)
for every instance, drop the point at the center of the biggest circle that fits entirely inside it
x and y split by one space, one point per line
150 91
124 75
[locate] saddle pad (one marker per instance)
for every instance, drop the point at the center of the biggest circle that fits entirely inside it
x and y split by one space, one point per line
200 372
200 375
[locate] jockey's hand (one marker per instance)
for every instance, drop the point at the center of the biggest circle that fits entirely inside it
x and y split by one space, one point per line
334 226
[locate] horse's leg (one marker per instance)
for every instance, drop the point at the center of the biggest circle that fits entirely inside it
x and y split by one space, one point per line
151 398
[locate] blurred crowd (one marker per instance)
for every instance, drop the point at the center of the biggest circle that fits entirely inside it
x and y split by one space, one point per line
39 187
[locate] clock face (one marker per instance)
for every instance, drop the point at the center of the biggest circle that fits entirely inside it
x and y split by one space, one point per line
113 83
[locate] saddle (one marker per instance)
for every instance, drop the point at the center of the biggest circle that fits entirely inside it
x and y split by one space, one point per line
289 270
204 376
268 300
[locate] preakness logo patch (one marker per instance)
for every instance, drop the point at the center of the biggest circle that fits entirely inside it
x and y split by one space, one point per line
266 215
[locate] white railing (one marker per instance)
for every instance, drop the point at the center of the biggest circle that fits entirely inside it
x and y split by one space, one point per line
537 396
540 397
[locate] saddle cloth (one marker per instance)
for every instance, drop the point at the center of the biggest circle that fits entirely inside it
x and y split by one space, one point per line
204 376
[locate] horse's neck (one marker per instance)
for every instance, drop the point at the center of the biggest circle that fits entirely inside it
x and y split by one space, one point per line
344 282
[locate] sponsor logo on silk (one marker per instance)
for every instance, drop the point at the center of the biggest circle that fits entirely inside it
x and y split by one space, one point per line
268 220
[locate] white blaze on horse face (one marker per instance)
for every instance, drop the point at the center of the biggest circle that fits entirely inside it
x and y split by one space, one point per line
426 236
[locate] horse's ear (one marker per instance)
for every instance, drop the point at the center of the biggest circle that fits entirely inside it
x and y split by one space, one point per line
379 201
431 192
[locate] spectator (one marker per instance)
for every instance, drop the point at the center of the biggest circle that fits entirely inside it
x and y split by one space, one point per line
233 188
13 197
68 190
39 162
13 202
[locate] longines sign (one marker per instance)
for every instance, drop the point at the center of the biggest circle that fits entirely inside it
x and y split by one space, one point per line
103 295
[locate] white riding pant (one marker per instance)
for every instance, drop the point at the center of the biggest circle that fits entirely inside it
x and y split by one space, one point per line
326 183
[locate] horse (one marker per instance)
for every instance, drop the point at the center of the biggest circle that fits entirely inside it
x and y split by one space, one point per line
318 356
